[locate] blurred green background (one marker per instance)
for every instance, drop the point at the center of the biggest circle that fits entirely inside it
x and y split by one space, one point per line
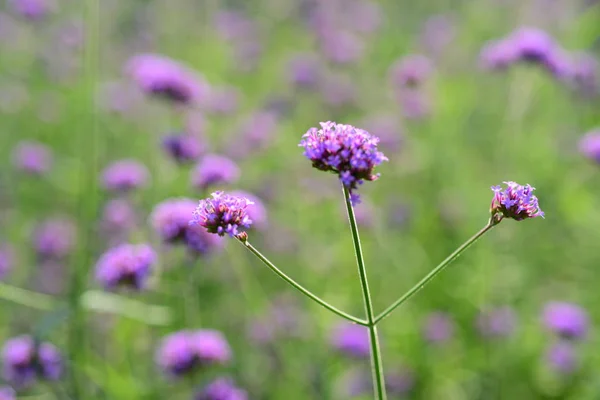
61 81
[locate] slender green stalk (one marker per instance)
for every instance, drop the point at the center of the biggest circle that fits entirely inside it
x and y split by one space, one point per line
434 272
376 362
299 287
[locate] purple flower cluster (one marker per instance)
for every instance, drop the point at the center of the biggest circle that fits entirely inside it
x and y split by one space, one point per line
7 393
589 145
184 351
516 202
349 152
567 320
24 361
54 238
257 212
33 10
222 214
221 389
214 169
438 328
125 265
411 71
183 147
161 76
32 157
125 175
351 339
6 260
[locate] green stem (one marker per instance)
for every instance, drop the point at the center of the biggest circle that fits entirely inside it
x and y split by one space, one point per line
299 287
376 362
434 272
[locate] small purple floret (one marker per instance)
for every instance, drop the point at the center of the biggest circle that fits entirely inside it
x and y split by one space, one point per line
562 357
352 339
589 145
23 361
32 157
183 147
566 319
222 214
221 389
516 202
349 152
438 328
125 265
7 393
54 238
214 169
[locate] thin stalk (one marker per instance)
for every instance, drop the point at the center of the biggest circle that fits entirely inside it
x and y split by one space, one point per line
299 287
376 362
434 272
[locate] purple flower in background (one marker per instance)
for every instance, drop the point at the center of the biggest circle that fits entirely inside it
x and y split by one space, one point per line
183 147
32 157
256 211
411 71
283 319
533 45
387 128
516 202
125 265
496 322
221 389
349 152
562 357
364 16
437 33
182 352
124 175
566 319
34 10
54 238
23 361
223 100
7 393
585 70
222 214
214 169
589 145
256 132
232 25
338 90
304 70
342 47
438 327
6 260
498 54
171 218
364 212
400 382
351 339
202 242
162 76
414 103
118 215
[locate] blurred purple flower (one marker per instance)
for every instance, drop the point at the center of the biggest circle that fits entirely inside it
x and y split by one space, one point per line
6 260
125 175
387 128
256 211
32 157
411 71
221 389
182 352
183 147
54 238
533 44
414 103
349 152
437 33
202 242
7 393
232 25
562 357
338 90
214 169
496 322
257 130
223 100
222 214
162 76
125 265
33 10
438 327
118 215
23 361
568 320
585 70
342 47
304 70
364 16
351 339
170 218
589 145
516 202
498 54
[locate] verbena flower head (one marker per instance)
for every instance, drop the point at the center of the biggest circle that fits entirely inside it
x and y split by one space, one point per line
214 169
351 339
516 202
201 242
184 351
183 147
171 218
125 265
349 152
562 357
256 211
533 44
33 10
7 393
161 76
54 238
497 322
23 361
6 260
222 214
411 71
589 145
125 175
221 389
566 319
498 54
438 328
32 157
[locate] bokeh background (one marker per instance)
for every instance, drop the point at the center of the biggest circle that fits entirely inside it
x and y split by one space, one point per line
463 94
